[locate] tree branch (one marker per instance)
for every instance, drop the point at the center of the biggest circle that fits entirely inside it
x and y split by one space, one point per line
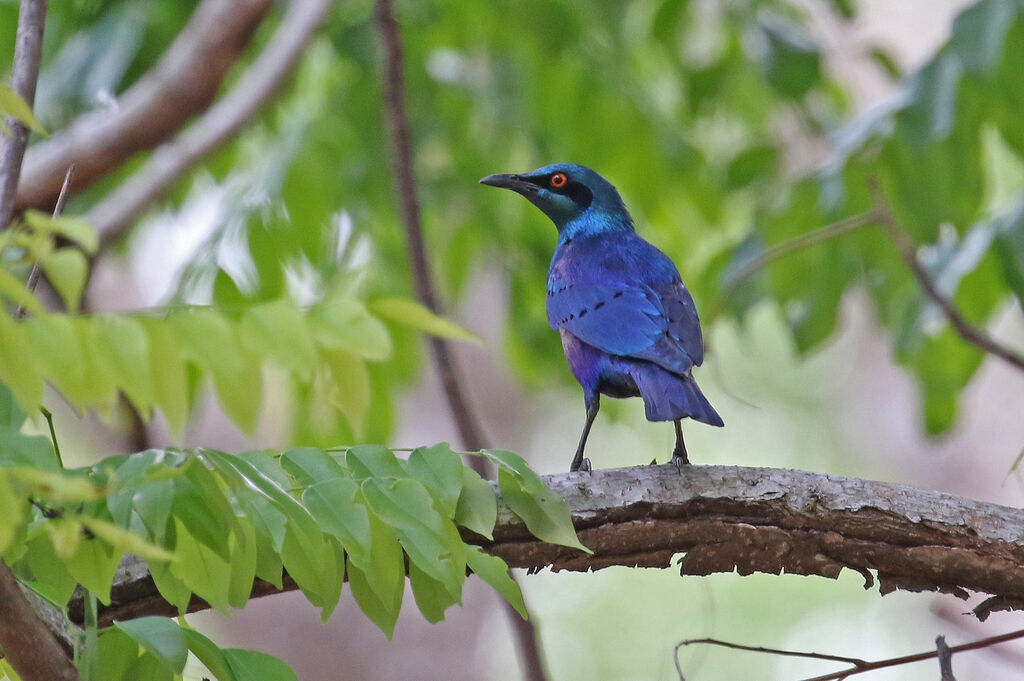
732 518
28 50
908 251
119 209
470 431
25 639
183 83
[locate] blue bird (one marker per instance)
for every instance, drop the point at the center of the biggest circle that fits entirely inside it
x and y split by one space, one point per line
628 324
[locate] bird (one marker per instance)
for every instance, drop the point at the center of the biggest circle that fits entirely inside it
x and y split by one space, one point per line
628 324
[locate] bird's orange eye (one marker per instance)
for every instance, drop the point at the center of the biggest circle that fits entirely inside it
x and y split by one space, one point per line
558 180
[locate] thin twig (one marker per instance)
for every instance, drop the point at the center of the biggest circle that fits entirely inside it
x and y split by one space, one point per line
33 275
896 661
908 251
858 666
469 429
28 51
797 243
119 209
183 83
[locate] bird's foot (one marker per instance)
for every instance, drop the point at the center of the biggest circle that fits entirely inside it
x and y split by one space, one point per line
584 466
679 462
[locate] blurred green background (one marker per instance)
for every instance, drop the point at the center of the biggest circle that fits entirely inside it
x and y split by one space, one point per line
729 126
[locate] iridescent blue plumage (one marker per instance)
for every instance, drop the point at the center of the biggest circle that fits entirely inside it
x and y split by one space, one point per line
628 324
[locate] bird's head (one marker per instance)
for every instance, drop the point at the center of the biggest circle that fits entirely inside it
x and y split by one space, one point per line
577 199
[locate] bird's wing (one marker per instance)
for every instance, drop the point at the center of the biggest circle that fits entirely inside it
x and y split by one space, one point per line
627 301
618 319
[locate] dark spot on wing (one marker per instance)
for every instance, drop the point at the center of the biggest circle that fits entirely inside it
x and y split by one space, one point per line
618 294
599 305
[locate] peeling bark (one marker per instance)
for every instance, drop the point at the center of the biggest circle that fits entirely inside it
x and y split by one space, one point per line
729 518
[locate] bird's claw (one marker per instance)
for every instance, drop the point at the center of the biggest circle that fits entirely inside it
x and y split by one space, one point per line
679 462
585 466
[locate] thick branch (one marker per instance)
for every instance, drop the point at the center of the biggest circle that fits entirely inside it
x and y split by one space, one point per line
729 518
118 210
183 83
28 50
27 642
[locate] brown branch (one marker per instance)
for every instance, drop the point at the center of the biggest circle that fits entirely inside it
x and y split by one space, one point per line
732 518
119 209
33 275
908 251
25 640
858 666
28 50
183 83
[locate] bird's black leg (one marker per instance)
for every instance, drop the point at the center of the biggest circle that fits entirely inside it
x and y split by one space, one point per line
679 453
578 461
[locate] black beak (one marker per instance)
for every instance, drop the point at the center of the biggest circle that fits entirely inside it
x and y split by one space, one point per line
507 181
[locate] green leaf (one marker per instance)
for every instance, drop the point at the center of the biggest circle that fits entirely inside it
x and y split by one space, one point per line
66 269
210 654
378 582
375 461
792 63
1009 246
309 465
201 568
432 597
73 229
170 387
18 366
345 385
440 471
59 354
160 636
545 513
494 571
18 449
10 414
244 551
477 509
172 589
151 668
121 344
12 104
416 316
333 504
254 666
47 574
751 164
93 564
345 324
16 292
278 330
310 561
125 541
12 507
116 653
212 342
430 539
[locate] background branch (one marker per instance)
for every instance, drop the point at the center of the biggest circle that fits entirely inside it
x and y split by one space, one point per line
466 421
28 50
908 251
118 210
184 82
733 518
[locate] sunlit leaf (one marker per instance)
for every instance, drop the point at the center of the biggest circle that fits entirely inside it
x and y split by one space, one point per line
12 104
161 636
416 316
494 571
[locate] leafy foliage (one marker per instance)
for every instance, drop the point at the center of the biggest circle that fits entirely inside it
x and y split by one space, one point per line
209 523
943 150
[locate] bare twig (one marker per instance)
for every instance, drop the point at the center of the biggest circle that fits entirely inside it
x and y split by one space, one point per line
119 209
28 50
896 661
908 251
183 83
797 243
468 426
33 275
857 665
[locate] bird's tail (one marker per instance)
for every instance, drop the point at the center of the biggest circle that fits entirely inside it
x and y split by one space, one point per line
669 396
